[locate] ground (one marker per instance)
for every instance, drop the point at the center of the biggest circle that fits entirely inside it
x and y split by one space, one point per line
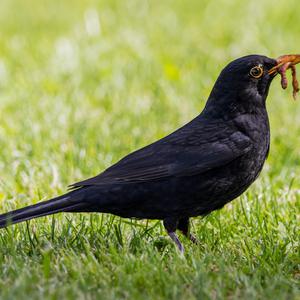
82 83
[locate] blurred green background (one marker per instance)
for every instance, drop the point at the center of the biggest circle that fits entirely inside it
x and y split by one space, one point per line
82 83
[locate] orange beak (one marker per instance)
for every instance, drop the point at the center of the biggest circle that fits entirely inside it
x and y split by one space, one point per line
291 60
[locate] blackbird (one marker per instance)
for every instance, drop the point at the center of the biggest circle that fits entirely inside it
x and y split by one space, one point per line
196 169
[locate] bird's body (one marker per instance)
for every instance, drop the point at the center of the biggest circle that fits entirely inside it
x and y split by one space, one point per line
197 169
187 195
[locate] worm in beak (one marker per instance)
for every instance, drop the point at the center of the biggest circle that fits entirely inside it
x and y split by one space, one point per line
284 63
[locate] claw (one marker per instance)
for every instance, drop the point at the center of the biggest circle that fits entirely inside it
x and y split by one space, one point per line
193 239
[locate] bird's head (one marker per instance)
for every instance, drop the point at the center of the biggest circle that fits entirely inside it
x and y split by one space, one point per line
243 85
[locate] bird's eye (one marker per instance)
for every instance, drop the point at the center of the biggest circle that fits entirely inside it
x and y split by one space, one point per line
257 71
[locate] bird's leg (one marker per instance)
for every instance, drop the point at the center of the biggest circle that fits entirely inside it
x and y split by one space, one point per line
171 225
184 226
175 239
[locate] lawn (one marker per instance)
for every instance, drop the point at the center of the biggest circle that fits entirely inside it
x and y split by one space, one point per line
83 83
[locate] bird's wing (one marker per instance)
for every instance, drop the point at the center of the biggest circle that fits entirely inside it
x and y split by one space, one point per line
178 155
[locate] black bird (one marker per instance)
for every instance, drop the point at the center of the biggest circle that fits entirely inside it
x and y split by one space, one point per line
196 169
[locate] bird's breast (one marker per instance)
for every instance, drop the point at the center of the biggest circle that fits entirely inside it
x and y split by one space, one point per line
257 128
233 179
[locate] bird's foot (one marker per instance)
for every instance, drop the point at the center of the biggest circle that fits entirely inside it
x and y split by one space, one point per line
193 239
183 225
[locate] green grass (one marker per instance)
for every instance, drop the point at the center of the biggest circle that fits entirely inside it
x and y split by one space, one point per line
82 83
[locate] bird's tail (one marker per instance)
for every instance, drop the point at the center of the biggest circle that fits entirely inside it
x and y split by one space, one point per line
70 202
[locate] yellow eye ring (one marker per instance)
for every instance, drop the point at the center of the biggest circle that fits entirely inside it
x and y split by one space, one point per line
257 71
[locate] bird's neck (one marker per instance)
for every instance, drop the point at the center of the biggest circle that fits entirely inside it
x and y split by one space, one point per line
231 104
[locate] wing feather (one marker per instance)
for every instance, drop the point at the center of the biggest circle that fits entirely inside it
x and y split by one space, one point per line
184 153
